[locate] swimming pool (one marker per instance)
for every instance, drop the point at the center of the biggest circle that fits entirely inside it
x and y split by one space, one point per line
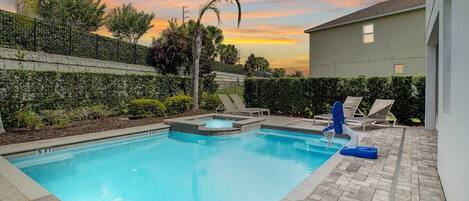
259 165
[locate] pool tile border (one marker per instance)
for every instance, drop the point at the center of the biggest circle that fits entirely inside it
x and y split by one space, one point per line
306 187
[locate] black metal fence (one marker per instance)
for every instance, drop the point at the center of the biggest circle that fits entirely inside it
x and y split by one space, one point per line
25 33
231 87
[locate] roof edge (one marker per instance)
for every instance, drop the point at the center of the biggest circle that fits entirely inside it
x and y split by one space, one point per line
314 29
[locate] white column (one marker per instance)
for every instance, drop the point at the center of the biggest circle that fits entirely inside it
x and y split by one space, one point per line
430 91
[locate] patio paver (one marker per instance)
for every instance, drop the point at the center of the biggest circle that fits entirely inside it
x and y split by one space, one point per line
406 172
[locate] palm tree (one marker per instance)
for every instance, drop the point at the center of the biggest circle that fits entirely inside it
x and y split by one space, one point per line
197 44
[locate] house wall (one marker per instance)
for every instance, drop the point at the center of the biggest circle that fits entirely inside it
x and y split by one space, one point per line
449 19
399 39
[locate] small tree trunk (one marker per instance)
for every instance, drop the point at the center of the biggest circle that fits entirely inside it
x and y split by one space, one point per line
2 130
196 53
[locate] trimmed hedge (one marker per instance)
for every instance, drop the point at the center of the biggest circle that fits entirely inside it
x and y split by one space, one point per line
178 104
140 108
307 97
35 91
24 33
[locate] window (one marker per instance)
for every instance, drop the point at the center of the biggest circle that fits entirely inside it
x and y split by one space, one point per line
368 33
399 68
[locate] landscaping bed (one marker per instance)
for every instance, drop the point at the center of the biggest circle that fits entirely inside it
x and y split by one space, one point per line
13 136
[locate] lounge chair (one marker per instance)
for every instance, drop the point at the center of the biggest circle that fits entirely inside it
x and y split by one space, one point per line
230 108
350 110
241 106
379 113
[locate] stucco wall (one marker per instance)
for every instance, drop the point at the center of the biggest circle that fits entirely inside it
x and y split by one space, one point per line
399 39
39 61
450 20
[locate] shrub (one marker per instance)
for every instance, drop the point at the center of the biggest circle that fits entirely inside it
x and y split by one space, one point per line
210 102
146 108
99 112
91 112
178 104
80 114
69 90
307 97
29 119
57 118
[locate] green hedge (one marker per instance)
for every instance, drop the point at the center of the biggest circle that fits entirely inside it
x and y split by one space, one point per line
307 97
31 90
24 33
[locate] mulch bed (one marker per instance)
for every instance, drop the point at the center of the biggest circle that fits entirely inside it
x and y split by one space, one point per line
13 136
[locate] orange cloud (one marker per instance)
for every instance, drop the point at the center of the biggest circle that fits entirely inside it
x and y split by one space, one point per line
262 30
264 41
347 3
266 14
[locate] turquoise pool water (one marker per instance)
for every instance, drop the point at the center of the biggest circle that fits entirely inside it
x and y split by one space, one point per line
262 165
217 123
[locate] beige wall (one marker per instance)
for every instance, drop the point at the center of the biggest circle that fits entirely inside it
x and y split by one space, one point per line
399 39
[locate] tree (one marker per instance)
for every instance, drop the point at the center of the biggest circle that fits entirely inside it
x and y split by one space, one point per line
254 63
197 44
215 35
297 74
126 23
28 8
85 15
171 53
250 65
262 64
278 72
228 54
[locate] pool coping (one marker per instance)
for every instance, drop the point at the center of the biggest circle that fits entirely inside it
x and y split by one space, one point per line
306 187
190 124
29 188
35 192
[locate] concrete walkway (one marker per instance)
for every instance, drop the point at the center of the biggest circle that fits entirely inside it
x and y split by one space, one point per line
405 170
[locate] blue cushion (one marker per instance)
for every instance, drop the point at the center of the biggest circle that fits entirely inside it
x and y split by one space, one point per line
361 152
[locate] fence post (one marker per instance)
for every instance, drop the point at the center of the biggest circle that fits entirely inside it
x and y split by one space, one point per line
135 53
34 35
97 47
70 40
118 52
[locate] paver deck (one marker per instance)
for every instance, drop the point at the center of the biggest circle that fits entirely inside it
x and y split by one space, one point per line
405 170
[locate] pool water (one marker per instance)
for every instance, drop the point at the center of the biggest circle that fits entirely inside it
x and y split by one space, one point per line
218 123
262 165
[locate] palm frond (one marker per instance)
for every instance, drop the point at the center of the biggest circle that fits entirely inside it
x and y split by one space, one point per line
212 5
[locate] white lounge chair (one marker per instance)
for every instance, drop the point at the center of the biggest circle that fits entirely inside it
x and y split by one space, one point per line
241 106
379 113
351 109
230 108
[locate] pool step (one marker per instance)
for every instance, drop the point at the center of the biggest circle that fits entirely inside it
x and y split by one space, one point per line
315 148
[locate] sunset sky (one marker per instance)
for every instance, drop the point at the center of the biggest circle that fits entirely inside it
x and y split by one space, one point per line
270 28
